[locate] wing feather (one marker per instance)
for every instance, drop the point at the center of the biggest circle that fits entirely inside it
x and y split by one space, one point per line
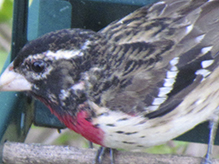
162 53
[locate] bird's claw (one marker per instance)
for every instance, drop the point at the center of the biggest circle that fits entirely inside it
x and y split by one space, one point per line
100 155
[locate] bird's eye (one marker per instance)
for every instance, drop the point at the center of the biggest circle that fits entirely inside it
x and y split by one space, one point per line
38 66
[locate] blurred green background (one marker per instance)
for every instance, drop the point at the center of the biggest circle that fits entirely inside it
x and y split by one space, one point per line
5 29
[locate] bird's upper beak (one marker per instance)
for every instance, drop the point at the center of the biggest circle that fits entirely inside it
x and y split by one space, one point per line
12 81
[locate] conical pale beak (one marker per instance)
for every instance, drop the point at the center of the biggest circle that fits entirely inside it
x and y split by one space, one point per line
12 81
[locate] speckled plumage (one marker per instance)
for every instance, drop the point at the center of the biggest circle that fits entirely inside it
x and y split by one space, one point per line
139 82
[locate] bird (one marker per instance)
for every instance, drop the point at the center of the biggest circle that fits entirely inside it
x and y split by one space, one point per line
139 82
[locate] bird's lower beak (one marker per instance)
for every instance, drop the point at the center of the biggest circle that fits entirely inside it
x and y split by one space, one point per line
12 81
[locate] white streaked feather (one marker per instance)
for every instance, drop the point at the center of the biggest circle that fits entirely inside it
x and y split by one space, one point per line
169 82
207 63
158 101
199 38
79 86
189 28
171 74
64 54
64 94
174 69
206 49
163 91
203 72
174 61
153 108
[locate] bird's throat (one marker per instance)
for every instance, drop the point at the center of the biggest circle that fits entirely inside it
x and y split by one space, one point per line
82 125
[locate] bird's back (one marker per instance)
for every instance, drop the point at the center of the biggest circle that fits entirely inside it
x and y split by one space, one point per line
163 55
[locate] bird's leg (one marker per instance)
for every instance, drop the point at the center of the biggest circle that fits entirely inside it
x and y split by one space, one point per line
112 159
213 130
100 154
91 146
213 124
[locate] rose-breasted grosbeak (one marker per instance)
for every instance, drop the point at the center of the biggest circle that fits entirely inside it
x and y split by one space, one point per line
139 82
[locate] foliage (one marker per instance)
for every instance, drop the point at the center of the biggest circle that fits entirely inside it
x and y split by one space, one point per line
172 147
3 56
6 7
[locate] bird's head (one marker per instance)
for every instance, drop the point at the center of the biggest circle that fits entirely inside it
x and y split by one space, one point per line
51 67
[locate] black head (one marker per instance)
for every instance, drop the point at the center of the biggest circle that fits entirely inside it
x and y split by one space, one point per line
53 65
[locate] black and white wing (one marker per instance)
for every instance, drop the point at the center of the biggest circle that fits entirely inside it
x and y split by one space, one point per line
161 53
